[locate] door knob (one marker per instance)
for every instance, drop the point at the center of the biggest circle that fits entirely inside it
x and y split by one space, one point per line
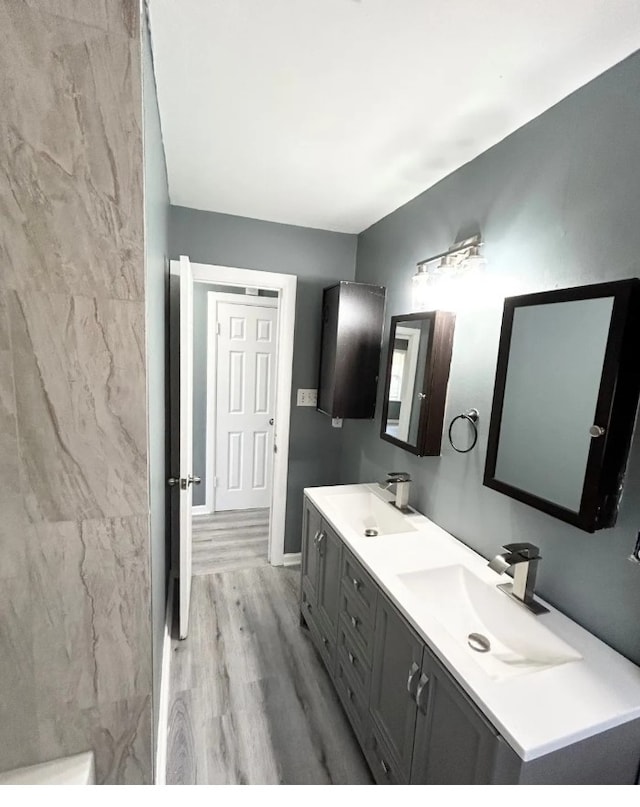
271 421
596 431
184 483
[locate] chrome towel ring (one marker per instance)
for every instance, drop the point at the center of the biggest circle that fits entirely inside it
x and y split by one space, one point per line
472 417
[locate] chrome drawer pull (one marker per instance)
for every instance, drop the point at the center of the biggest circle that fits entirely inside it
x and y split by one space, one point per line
356 583
352 658
325 641
349 694
412 680
424 680
355 621
385 767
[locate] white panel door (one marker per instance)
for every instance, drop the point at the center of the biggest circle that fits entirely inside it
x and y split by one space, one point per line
245 395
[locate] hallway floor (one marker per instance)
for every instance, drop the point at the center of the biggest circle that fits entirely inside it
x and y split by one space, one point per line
231 539
251 702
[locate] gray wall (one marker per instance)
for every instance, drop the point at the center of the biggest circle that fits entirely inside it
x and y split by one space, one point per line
318 258
156 210
557 203
75 629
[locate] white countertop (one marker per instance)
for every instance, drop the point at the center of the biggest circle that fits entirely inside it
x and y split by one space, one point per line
536 713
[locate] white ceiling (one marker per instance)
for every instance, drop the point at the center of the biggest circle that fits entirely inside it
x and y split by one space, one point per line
333 113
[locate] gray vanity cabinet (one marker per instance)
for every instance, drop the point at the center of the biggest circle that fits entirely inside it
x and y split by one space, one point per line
311 525
395 672
454 743
415 723
328 587
431 731
320 583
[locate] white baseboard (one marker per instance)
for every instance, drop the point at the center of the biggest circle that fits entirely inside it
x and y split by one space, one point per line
200 510
165 679
291 558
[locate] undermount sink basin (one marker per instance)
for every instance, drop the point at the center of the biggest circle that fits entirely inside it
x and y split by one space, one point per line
364 511
508 640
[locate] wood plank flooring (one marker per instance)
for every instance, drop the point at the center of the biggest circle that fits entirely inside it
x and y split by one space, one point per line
251 702
231 539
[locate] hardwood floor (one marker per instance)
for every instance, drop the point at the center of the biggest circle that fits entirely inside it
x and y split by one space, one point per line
232 539
251 702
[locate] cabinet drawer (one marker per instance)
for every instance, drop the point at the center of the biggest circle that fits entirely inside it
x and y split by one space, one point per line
351 655
354 699
306 608
322 639
355 616
361 587
384 768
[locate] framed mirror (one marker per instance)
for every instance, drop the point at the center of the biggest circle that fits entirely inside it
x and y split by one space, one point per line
565 400
417 374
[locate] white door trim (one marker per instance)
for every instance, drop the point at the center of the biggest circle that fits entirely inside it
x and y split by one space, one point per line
286 286
213 298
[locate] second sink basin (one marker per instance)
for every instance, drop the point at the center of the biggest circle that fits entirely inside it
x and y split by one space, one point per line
366 511
464 604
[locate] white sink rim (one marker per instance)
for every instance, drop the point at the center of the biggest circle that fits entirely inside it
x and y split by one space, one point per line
363 510
520 643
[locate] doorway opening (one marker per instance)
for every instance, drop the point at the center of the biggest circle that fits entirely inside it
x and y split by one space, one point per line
235 372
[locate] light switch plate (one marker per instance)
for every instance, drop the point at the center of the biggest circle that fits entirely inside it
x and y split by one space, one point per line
336 423
307 397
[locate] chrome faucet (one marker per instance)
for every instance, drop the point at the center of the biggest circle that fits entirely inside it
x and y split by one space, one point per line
524 558
401 481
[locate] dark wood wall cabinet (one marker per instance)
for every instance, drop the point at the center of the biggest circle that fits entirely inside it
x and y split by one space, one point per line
414 722
351 338
565 400
415 391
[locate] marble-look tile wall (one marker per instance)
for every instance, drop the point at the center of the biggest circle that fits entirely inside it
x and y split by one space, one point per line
75 646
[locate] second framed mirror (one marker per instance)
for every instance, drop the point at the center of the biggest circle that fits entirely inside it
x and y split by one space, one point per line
415 390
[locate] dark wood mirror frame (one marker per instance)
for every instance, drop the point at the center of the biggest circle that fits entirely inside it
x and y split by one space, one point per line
431 381
616 405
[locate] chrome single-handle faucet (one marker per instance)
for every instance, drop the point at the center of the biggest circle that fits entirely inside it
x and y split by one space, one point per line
401 482
524 558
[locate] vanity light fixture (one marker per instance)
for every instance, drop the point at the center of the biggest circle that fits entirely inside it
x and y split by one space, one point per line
437 277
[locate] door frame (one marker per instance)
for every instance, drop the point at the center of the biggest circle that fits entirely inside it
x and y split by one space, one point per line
286 286
213 298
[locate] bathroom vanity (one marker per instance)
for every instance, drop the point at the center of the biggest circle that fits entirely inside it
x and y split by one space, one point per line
444 679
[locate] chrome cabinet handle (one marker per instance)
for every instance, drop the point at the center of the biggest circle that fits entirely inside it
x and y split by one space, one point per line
352 658
424 680
412 680
315 537
385 767
350 693
325 641
597 431
355 621
356 583
321 538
